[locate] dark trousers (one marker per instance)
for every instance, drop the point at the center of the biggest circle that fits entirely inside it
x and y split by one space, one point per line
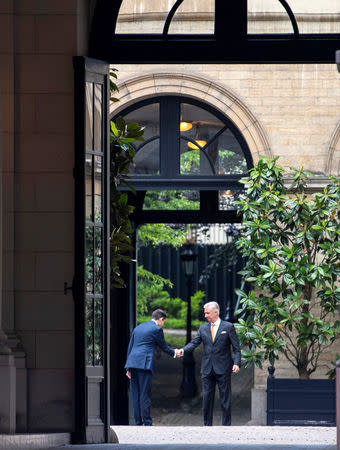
208 389
141 381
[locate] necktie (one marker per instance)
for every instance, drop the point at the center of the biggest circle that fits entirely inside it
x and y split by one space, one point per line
212 331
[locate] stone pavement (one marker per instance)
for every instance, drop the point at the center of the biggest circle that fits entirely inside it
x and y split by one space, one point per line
178 422
218 438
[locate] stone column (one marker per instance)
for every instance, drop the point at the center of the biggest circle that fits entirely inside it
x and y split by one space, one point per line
7 366
19 355
7 388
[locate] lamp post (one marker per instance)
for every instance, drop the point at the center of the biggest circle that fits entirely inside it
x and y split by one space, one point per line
231 233
188 386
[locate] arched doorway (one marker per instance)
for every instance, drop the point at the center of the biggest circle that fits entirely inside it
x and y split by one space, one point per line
190 149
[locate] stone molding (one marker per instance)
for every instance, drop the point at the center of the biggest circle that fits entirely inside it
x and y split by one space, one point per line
193 16
224 100
333 156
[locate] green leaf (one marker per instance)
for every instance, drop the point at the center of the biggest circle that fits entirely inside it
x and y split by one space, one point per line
114 128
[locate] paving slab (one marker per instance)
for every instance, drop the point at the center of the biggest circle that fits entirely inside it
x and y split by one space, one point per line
196 447
217 438
228 436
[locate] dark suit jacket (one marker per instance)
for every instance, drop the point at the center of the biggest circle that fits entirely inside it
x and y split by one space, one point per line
144 340
217 355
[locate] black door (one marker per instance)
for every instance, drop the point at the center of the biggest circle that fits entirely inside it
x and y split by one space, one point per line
91 283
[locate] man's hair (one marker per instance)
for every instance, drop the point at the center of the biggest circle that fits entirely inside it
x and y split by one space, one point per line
213 306
158 314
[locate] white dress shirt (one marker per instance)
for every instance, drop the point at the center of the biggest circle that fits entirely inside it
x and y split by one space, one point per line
216 325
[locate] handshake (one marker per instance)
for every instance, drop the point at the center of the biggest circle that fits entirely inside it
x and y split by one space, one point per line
179 352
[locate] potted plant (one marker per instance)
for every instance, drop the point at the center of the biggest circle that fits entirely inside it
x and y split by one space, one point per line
292 248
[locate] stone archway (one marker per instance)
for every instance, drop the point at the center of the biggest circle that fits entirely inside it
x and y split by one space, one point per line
166 83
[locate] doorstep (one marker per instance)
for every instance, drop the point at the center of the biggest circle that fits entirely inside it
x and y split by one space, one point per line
33 441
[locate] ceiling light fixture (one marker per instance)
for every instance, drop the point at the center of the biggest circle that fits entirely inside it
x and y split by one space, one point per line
196 147
185 126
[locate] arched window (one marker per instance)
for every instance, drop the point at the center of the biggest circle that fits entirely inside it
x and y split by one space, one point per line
188 145
270 31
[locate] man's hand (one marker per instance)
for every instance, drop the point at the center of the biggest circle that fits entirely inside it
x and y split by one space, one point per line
235 368
179 352
128 374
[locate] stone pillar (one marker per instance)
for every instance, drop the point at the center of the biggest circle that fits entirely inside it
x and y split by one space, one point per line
19 354
7 366
7 388
258 406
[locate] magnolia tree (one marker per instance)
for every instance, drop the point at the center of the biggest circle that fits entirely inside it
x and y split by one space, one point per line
293 262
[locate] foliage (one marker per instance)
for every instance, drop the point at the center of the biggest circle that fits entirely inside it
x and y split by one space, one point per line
229 162
196 306
292 249
190 161
113 86
225 257
232 162
122 153
150 289
160 233
332 372
152 294
171 200
174 341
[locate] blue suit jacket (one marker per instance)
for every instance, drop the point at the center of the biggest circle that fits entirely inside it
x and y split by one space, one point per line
144 340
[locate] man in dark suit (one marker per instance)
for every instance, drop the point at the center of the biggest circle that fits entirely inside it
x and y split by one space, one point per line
139 364
218 337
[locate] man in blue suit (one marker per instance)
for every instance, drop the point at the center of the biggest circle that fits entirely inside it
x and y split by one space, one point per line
139 364
218 363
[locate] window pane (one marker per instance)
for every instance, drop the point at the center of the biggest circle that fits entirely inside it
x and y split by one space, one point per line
268 16
88 187
194 161
198 124
194 17
228 198
89 116
147 158
98 198
89 259
198 127
98 332
98 117
138 17
172 200
228 155
98 261
148 117
224 156
89 331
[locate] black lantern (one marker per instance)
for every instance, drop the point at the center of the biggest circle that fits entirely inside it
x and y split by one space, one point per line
188 257
188 385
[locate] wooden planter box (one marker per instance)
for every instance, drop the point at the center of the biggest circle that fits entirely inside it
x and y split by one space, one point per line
295 402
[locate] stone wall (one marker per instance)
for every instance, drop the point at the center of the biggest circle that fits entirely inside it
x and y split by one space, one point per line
295 107
38 41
